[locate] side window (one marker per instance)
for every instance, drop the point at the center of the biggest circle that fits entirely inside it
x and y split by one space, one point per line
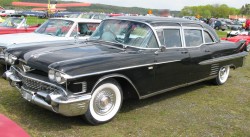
193 37
208 38
87 28
96 17
172 38
160 36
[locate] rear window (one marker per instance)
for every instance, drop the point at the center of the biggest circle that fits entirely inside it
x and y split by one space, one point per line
193 37
208 37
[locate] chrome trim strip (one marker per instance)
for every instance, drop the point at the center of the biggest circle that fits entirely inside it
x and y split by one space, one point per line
225 58
175 87
112 70
65 93
115 75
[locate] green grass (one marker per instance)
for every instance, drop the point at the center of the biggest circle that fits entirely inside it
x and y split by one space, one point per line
199 110
221 34
35 20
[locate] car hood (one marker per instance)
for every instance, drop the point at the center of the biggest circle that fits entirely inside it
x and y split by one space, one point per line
10 39
40 59
19 50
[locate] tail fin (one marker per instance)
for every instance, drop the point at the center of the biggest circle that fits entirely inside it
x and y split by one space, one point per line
240 45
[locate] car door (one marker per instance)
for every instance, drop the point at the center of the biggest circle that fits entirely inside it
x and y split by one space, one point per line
171 64
199 51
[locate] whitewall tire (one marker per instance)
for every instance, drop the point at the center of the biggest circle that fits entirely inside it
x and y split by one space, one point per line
105 102
222 75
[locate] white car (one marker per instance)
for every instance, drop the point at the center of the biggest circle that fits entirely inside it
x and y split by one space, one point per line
55 29
5 13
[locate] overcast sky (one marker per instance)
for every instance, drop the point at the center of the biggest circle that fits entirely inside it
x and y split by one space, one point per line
167 4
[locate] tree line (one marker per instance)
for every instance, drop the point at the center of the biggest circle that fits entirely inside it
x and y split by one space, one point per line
219 11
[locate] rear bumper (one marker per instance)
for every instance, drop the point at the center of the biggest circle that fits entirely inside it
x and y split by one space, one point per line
68 105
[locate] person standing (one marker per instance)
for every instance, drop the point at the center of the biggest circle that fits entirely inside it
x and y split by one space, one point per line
165 13
247 25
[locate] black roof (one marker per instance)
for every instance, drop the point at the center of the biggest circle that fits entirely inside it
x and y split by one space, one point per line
155 20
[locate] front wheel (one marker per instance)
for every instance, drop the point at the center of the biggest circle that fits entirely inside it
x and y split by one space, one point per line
222 75
105 103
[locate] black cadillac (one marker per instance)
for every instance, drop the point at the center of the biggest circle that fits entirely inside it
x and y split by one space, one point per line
126 56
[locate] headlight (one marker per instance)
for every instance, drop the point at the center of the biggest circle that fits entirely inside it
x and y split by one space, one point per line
6 57
59 78
52 75
56 76
9 58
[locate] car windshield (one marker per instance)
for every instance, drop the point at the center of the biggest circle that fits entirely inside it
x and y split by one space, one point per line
86 16
11 22
55 27
125 32
74 15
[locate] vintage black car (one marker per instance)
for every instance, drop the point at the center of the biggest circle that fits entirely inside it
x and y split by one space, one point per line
125 57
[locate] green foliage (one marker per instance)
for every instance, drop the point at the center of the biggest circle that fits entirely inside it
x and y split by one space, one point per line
245 9
4 3
220 11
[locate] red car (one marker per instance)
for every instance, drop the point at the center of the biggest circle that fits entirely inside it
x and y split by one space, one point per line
9 128
16 25
239 37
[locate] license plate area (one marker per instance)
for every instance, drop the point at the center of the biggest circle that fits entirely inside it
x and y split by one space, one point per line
26 95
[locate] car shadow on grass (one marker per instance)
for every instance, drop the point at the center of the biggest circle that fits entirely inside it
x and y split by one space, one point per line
132 104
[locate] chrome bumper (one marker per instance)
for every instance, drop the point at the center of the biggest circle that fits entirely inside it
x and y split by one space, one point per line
54 101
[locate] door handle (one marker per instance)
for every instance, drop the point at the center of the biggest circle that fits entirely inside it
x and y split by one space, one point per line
207 50
184 52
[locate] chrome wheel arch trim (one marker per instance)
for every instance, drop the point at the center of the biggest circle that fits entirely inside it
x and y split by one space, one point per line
115 76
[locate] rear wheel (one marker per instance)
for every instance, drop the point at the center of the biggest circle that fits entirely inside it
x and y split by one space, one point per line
222 75
105 103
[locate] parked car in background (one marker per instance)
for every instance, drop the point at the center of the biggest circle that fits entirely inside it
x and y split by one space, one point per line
61 14
39 14
55 29
5 13
234 25
220 25
236 37
126 56
89 16
16 25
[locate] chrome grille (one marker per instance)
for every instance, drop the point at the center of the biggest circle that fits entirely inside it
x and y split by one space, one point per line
35 85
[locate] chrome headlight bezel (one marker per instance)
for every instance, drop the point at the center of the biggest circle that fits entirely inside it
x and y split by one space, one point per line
11 59
56 76
51 75
6 57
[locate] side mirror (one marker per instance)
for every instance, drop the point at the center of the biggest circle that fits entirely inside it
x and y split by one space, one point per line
162 48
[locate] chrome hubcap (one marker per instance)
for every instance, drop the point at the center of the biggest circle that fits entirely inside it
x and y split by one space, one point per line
104 102
223 73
